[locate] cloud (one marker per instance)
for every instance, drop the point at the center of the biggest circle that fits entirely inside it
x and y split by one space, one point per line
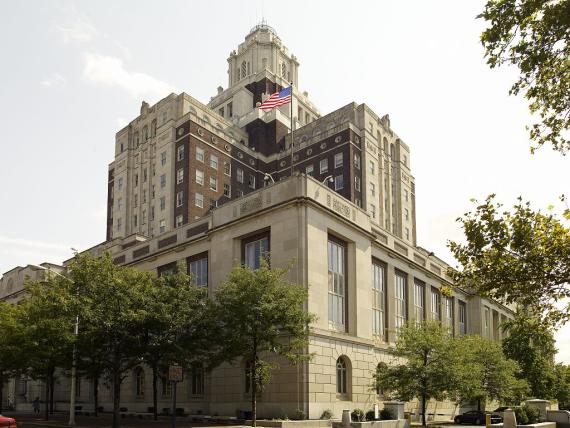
55 80
77 30
110 71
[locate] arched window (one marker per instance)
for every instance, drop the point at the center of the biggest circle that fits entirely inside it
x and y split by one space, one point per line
393 151
139 382
385 145
283 70
153 128
341 376
197 379
166 385
136 139
243 69
145 133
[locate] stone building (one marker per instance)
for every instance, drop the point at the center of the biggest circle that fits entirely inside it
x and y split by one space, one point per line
212 186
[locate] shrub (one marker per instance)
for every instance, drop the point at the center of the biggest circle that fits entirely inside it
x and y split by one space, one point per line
386 414
522 418
532 413
299 415
327 414
370 415
357 415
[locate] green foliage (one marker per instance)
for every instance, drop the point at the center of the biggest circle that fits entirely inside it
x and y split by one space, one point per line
532 413
562 373
533 36
422 357
299 415
256 314
484 373
370 415
531 343
357 415
327 414
520 256
386 415
520 413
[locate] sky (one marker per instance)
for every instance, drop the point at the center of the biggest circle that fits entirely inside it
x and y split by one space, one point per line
75 72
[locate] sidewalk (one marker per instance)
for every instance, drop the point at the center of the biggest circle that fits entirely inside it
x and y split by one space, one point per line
60 420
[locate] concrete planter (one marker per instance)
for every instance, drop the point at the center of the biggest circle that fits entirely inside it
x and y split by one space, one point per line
394 423
539 425
309 423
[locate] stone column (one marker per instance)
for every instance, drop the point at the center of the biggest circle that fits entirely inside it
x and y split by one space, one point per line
391 307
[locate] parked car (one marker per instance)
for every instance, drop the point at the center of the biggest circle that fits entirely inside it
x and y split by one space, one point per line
477 417
7 422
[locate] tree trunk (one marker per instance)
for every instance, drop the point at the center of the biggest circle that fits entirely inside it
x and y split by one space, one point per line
51 389
253 392
423 410
116 397
47 384
1 389
96 394
154 391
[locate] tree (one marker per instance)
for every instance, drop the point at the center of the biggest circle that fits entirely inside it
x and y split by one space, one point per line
484 373
520 256
112 303
47 318
11 357
422 358
259 313
533 36
531 344
562 373
173 332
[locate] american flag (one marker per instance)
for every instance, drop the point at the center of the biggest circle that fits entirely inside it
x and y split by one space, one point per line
277 99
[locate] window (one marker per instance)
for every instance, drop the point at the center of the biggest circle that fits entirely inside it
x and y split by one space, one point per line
419 300
198 269
240 175
179 198
254 248
120 183
357 160
337 284
163 158
180 176
448 312
230 110
166 386
213 183
243 69
371 167
162 203
407 233
162 226
120 203
179 220
221 112
144 196
324 165
251 181
435 304
462 317
163 181
406 214
227 168
338 182
227 190
199 154
139 382
400 296
214 161
199 200
145 175
136 200
135 220
487 323
119 223
144 217
372 188
180 153
309 169
197 375
357 183
78 387
136 179
199 177
406 195
213 203
341 376
338 160
378 299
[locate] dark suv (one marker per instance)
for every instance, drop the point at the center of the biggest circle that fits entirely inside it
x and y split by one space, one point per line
477 417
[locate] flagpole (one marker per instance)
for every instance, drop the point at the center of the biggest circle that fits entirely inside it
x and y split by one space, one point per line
292 129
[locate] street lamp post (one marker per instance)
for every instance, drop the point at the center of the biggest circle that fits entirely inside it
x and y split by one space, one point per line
328 179
74 357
